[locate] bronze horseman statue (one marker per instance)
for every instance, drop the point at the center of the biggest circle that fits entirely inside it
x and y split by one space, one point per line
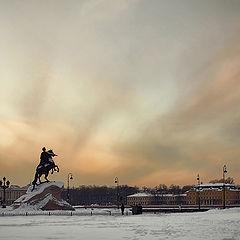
46 165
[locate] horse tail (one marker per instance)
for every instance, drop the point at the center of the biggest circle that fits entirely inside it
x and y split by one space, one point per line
35 180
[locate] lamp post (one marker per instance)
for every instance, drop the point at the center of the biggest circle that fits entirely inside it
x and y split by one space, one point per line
116 182
70 177
224 197
198 181
4 185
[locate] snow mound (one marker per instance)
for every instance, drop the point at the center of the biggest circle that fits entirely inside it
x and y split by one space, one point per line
46 196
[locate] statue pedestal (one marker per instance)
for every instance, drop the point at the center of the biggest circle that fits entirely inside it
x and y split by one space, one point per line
46 196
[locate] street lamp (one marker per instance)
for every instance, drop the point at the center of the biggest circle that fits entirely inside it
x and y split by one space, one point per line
70 177
116 182
198 180
224 197
4 185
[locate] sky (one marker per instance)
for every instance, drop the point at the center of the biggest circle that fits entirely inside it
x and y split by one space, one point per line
146 91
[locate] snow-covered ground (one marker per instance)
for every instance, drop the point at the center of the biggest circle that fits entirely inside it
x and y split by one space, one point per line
214 224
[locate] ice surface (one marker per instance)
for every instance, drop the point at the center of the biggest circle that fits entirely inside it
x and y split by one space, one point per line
214 224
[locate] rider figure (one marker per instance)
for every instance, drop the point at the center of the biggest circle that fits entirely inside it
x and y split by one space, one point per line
44 157
46 164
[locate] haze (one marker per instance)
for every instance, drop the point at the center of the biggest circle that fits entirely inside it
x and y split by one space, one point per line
148 91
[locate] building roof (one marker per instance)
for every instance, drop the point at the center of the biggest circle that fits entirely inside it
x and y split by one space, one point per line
216 186
159 195
16 187
141 195
171 195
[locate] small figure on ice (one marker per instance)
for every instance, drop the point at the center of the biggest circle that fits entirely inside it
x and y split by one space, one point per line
122 208
46 164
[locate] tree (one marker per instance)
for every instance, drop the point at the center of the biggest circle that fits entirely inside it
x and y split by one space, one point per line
175 189
102 195
146 189
162 188
227 180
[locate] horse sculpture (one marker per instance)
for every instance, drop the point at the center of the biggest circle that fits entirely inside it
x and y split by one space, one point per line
45 169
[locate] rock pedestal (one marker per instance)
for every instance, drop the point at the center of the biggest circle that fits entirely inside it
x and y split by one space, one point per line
46 196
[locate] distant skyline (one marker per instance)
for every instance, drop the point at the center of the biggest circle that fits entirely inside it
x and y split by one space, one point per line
148 91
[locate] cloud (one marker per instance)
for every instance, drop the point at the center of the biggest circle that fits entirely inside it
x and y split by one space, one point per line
139 90
195 135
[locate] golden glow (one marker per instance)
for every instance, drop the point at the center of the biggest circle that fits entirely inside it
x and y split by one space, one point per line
148 92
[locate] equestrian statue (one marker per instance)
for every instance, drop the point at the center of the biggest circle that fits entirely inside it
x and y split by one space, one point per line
45 166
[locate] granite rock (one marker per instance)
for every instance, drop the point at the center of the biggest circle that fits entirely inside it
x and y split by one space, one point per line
46 196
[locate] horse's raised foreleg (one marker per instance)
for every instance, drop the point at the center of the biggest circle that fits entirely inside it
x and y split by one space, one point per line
56 166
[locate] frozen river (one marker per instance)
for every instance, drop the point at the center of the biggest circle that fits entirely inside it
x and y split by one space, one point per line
214 224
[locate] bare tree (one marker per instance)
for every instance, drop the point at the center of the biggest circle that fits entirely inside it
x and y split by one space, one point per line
227 180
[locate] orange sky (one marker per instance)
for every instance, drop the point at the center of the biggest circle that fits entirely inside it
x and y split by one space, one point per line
145 91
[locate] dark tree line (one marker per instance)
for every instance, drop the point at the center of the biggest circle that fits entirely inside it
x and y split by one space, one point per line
103 195
227 180
164 189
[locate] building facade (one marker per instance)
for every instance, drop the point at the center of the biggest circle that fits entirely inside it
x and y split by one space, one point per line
213 194
145 199
170 199
12 194
140 199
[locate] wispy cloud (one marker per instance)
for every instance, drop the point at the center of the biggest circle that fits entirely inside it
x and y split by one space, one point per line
145 91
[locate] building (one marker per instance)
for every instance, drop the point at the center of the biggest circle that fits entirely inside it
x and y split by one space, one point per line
140 199
156 199
213 194
12 194
170 199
